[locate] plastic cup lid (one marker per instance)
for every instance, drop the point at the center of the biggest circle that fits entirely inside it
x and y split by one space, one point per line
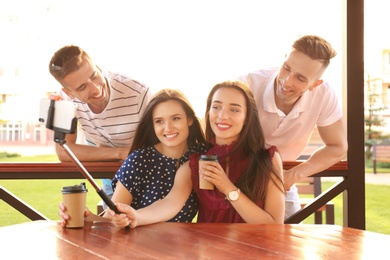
75 188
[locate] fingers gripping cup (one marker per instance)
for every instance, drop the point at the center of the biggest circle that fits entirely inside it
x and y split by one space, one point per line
204 184
74 198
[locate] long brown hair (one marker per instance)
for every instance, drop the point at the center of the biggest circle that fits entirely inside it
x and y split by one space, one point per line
145 135
254 181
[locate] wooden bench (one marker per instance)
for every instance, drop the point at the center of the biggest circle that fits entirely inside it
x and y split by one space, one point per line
312 186
380 153
99 208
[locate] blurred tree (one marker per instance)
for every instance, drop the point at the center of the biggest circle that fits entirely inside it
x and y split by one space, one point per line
373 119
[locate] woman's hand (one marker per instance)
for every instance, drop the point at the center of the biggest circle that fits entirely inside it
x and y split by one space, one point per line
214 173
128 216
65 217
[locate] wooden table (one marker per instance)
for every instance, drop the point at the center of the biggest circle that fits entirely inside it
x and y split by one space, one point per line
47 240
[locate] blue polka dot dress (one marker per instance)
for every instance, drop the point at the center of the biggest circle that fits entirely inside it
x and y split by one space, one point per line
149 175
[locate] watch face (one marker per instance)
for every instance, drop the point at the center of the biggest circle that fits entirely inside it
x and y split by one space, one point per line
233 195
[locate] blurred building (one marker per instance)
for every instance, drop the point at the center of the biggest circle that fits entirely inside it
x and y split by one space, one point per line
21 83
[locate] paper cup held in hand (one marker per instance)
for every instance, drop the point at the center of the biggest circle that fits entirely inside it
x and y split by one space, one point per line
74 199
203 184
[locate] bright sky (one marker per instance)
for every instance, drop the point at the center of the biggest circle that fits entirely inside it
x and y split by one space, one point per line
190 45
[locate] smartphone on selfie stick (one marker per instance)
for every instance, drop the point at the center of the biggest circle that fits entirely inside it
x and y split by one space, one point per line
60 116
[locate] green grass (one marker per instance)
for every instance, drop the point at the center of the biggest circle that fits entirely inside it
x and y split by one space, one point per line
44 196
377 208
37 158
381 167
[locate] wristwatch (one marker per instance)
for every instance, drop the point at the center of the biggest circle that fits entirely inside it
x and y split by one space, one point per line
233 195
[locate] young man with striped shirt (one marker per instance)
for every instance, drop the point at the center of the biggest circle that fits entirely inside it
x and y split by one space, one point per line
109 107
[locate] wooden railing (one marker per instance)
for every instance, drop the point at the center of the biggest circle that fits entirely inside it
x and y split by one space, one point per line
55 170
338 170
68 170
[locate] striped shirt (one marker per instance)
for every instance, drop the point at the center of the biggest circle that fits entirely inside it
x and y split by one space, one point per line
116 125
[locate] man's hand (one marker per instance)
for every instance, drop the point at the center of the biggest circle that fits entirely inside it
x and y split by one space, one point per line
289 178
55 97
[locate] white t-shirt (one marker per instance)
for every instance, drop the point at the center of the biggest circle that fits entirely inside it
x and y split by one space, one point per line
291 133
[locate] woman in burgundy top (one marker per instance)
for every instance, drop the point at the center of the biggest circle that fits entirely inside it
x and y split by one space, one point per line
247 177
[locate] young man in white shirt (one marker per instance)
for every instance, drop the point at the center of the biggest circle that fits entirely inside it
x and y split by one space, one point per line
292 100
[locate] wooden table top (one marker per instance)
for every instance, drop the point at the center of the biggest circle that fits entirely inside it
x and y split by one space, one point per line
99 240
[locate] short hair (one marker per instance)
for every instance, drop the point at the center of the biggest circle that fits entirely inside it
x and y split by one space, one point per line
316 48
66 60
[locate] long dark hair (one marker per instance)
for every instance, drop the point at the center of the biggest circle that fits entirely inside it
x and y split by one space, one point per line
254 181
145 135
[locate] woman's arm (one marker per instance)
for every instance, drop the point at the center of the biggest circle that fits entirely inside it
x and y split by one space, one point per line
275 197
274 203
121 195
161 210
273 211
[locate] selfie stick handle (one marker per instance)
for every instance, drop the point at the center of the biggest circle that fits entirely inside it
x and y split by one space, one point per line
86 174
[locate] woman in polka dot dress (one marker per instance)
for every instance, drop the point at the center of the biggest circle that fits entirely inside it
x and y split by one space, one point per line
248 184
167 135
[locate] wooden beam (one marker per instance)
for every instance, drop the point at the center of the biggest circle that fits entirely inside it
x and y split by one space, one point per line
354 197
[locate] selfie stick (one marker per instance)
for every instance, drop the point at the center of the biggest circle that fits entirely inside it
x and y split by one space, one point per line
59 137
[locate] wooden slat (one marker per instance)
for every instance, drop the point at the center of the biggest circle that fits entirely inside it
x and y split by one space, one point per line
305 189
381 153
20 205
68 170
338 167
56 170
312 186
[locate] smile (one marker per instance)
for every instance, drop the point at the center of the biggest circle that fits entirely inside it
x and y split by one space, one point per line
100 96
170 135
225 126
286 90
